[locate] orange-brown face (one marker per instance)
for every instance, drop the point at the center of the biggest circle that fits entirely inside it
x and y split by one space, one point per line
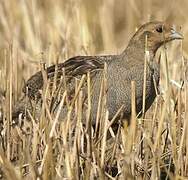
157 33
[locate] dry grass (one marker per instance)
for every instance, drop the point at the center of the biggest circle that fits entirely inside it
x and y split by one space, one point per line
47 31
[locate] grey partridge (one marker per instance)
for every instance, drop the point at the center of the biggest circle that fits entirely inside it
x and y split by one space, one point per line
121 70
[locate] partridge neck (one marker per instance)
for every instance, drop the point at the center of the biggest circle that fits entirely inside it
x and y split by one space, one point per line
136 52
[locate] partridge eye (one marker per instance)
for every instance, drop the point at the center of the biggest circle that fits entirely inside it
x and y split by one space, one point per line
159 29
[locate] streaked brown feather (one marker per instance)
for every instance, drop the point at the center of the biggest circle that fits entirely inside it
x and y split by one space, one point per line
73 67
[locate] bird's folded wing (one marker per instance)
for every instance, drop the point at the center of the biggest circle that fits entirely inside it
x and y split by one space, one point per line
73 67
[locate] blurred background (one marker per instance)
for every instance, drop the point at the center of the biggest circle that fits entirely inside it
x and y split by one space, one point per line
50 31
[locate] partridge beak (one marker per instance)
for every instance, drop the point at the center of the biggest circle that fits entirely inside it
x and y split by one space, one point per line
175 35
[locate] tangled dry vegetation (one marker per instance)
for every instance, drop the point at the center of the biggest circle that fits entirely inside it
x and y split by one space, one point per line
34 32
